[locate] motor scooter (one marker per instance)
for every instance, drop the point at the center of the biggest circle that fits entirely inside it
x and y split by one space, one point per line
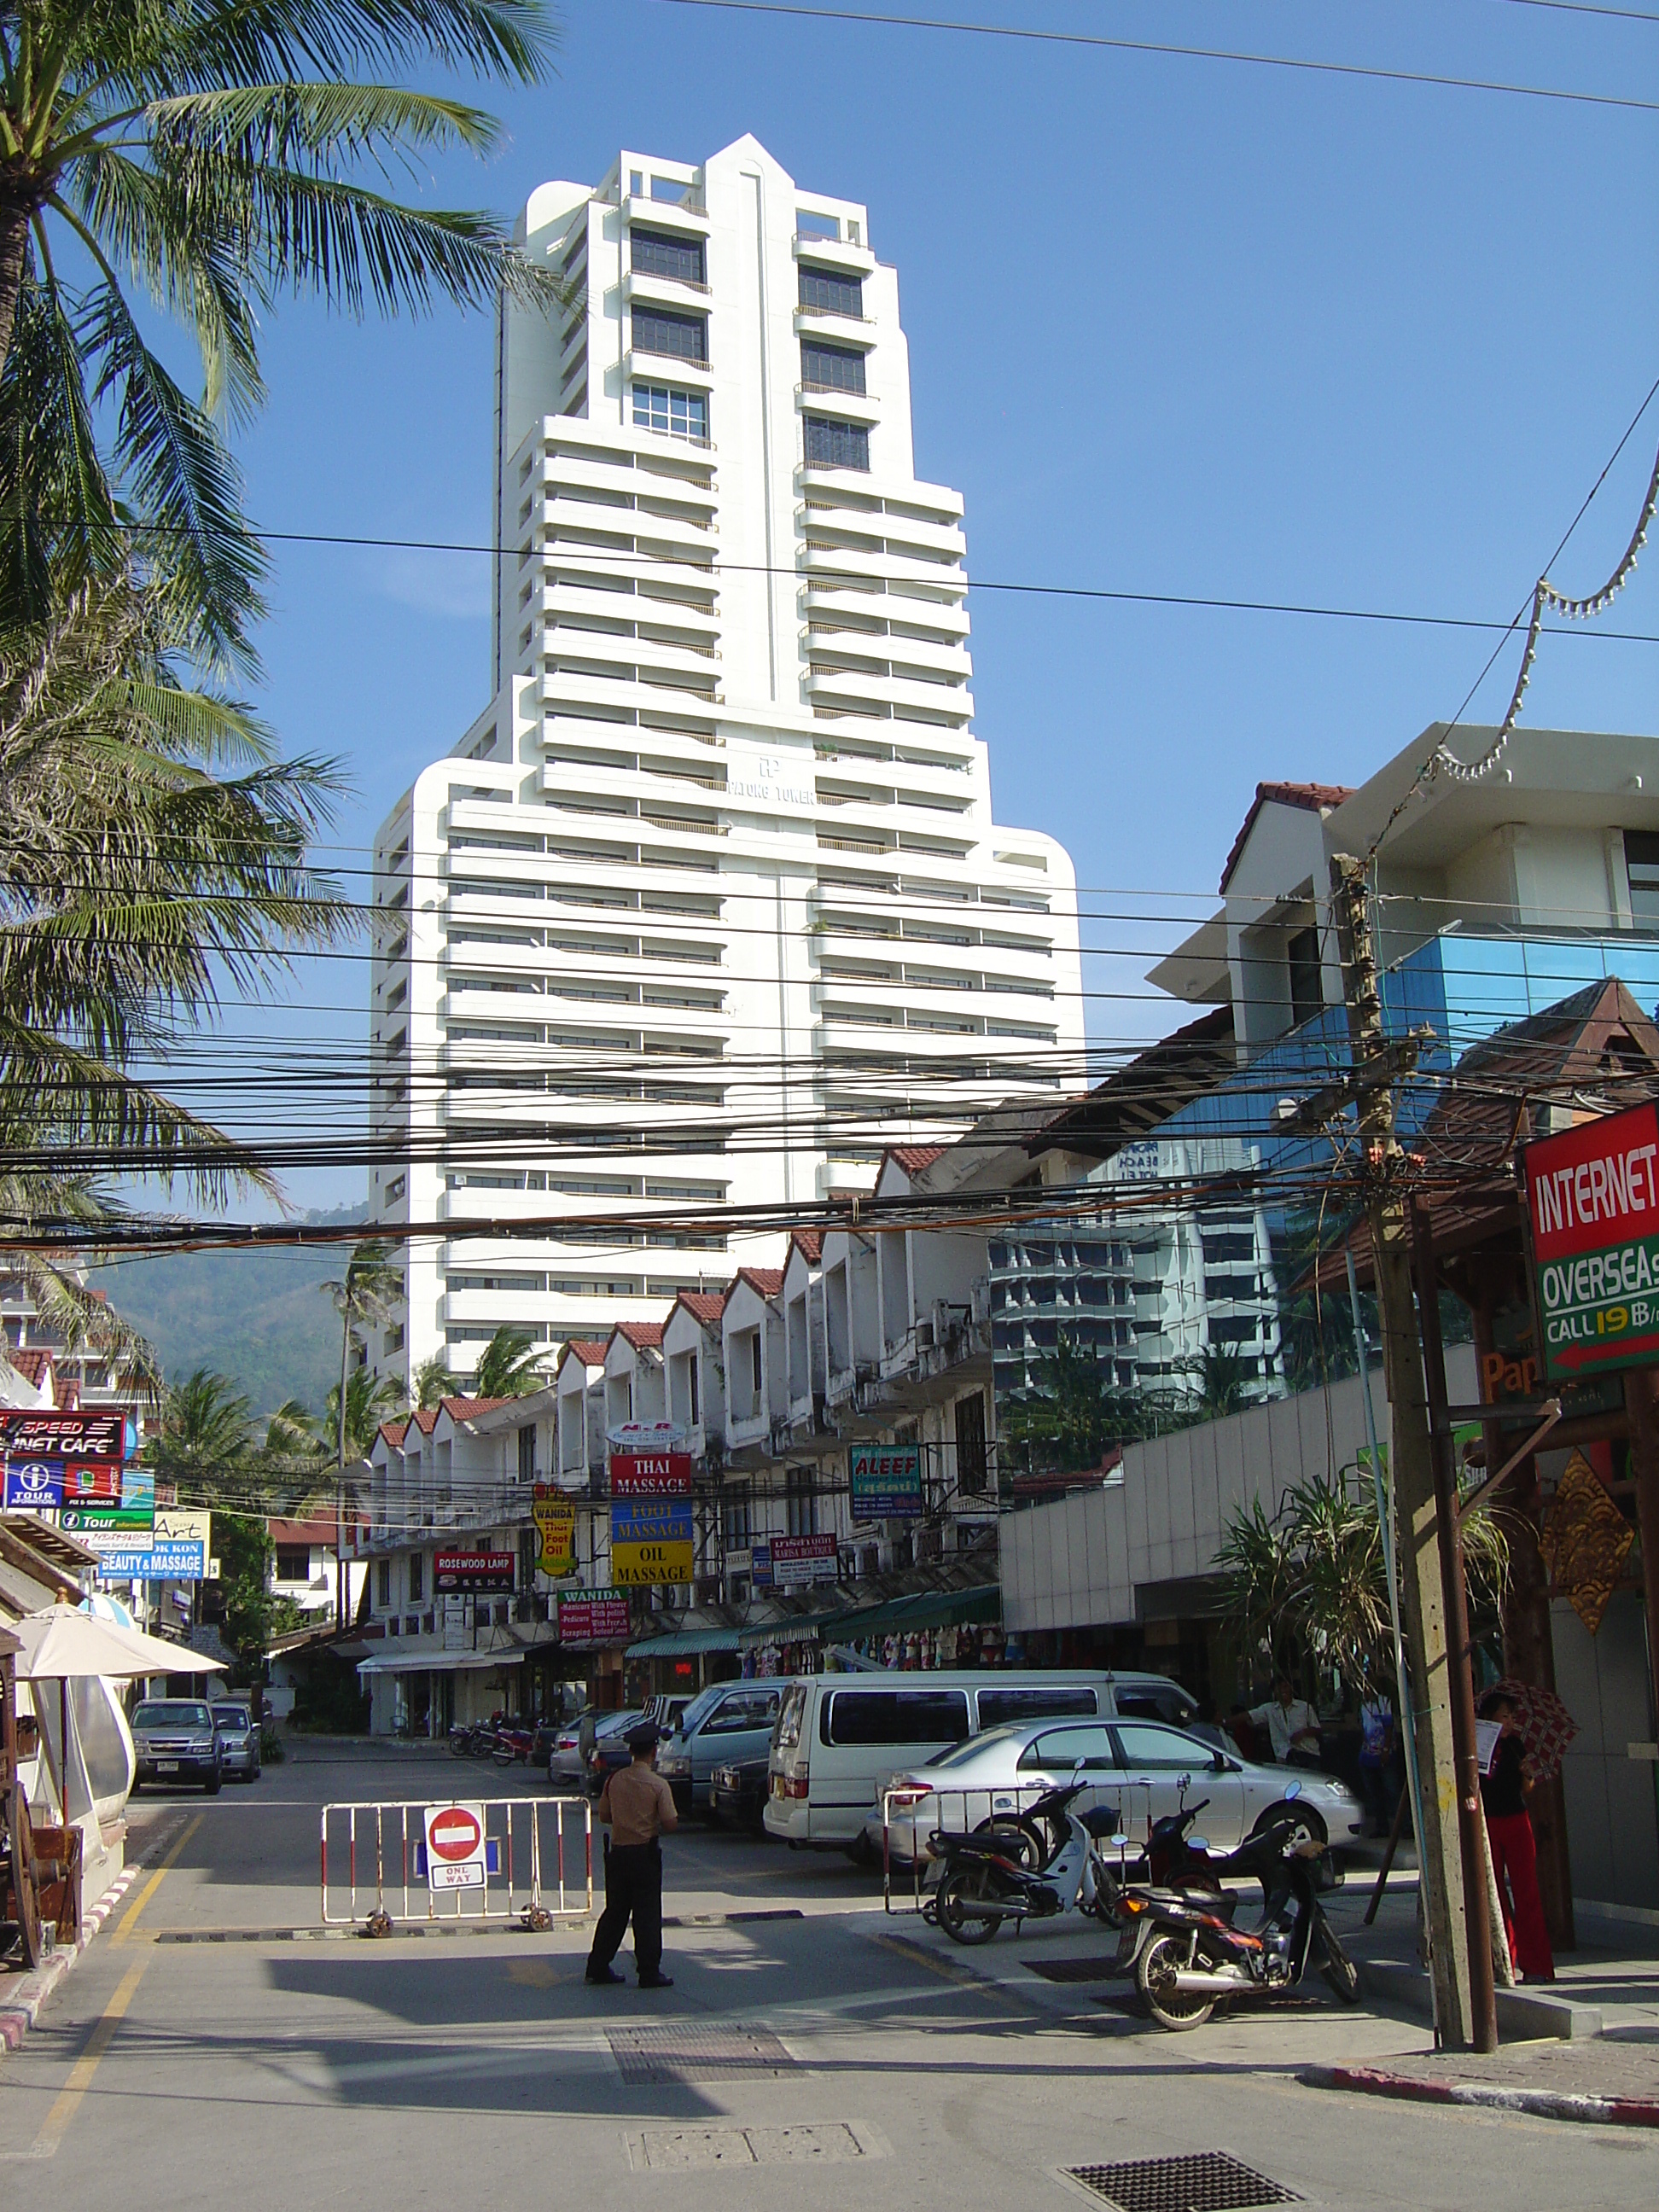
1187 1955
985 1876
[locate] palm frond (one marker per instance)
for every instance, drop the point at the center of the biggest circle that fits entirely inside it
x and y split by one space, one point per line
206 562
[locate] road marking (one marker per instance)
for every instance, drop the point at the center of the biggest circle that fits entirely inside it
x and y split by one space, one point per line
124 1934
56 2124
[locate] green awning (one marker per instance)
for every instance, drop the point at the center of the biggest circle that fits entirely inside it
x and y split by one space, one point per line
683 1643
923 1609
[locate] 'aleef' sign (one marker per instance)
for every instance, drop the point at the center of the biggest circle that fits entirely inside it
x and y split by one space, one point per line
1593 1199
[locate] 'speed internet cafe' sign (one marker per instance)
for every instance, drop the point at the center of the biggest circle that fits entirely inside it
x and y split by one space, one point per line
1592 1201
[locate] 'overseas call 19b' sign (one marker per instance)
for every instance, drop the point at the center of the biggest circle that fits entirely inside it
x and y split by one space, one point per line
1592 1201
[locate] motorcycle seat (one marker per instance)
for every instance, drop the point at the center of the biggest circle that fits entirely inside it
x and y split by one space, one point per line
961 1840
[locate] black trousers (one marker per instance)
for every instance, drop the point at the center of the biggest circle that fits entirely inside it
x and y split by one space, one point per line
633 1889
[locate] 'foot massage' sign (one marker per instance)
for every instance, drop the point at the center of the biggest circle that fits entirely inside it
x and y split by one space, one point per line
1593 1205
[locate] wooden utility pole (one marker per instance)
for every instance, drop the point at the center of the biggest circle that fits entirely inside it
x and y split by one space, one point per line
1411 1461
1454 1599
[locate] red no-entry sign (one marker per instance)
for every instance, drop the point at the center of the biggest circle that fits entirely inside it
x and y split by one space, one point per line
455 1846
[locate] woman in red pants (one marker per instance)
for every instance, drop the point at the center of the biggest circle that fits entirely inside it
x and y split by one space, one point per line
1505 1789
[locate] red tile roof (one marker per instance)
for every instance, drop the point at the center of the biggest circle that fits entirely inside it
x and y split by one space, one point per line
809 1243
394 1432
913 1159
69 1394
643 1335
769 1281
1312 798
464 1409
31 1364
425 1420
704 1306
317 1529
590 1350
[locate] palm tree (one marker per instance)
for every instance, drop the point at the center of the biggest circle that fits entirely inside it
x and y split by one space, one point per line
371 1286
433 1383
509 1366
205 1441
369 1400
210 156
151 851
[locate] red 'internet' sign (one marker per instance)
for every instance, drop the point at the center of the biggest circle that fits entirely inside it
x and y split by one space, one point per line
1593 1205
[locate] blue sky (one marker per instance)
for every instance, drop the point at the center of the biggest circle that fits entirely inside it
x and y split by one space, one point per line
1175 325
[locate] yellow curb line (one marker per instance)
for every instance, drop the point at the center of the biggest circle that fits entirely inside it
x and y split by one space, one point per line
124 1934
57 2121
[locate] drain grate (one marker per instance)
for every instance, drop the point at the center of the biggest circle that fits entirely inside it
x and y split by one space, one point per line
647 2055
1206 2181
1073 1970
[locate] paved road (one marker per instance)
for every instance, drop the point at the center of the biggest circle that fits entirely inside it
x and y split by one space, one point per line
412 2072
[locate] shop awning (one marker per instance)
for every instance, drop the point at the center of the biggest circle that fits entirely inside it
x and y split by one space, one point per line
683 1643
922 1609
439 1663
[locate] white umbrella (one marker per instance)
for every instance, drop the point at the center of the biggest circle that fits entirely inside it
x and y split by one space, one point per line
59 1642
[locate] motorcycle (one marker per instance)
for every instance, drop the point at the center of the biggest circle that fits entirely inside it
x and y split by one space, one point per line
513 1744
460 1740
1187 1955
994 1874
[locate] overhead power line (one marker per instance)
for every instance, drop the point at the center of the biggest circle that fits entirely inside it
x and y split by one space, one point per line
595 556
1159 46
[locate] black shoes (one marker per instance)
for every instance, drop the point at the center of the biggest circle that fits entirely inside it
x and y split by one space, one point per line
654 1981
603 1975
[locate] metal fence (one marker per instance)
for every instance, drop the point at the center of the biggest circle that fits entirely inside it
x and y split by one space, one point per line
536 1856
911 1818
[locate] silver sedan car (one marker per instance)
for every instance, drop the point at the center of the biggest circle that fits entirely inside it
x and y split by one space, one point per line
1144 1769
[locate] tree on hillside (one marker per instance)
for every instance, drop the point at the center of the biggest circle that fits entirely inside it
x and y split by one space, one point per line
206 157
509 1366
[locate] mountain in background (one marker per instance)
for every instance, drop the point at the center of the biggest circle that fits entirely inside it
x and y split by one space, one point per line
259 1315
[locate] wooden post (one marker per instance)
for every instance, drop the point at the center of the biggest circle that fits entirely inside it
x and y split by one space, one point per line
1417 1509
1477 1919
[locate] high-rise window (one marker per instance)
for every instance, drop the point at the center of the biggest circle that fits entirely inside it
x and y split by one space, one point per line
1642 865
1306 981
654 253
836 445
830 292
685 337
831 368
682 414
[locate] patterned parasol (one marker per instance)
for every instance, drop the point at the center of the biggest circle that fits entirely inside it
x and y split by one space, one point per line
1546 1725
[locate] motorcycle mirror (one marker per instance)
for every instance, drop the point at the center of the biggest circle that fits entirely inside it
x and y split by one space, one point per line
1118 1843
1197 1843
1292 1789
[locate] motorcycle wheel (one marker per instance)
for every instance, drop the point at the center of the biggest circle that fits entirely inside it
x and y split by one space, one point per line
965 1913
457 1744
1022 1837
1156 1967
1339 1969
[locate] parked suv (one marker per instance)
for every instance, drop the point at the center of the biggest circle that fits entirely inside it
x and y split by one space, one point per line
173 1740
238 1738
731 1721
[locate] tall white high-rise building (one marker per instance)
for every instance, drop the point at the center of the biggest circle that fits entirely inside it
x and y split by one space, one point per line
709 905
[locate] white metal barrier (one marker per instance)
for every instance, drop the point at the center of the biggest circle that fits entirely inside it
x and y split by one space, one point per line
911 1817
530 1855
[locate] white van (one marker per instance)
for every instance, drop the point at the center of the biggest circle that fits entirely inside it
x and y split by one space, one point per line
841 1738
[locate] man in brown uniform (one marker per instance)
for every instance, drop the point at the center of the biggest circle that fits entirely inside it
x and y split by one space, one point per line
637 1806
